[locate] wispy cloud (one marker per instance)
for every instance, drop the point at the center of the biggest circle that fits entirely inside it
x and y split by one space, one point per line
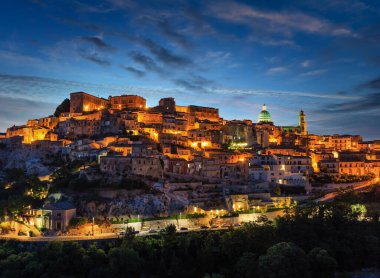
305 64
136 72
313 73
277 70
285 22
93 56
163 54
195 83
148 63
171 33
98 42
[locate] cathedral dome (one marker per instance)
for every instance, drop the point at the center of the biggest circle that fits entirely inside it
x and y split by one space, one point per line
264 116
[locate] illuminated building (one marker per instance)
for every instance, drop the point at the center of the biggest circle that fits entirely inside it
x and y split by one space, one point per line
264 116
127 101
82 102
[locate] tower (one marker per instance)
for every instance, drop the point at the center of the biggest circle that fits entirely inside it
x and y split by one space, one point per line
302 122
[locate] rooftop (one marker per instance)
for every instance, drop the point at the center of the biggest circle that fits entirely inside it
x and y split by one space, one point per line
62 205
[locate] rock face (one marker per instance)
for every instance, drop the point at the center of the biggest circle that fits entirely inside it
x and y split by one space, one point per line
129 204
29 160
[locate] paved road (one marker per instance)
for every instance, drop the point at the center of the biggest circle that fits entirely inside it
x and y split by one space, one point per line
104 236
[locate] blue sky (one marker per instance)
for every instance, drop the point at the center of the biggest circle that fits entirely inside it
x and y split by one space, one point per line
319 56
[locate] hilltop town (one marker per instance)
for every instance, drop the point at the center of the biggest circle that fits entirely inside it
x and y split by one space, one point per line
118 160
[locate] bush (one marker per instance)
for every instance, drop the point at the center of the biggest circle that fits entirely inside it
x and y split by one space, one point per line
77 221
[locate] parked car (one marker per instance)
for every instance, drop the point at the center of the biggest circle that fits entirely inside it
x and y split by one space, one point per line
152 231
214 226
136 232
237 225
184 229
122 233
203 227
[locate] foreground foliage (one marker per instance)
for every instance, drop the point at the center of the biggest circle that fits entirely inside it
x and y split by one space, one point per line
315 241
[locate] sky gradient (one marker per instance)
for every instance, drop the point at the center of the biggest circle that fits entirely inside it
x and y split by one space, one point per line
319 56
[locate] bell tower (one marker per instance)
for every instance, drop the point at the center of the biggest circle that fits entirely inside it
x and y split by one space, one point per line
302 122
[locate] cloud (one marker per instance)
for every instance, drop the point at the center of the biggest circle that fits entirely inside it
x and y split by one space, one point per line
218 56
96 9
166 29
364 104
163 54
19 59
270 41
277 70
313 73
284 22
147 62
98 43
18 110
136 72
94 57
305 64
194 83
372 84
77 23
278 93
367 102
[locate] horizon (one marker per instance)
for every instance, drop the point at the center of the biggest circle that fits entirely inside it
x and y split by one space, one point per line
321 58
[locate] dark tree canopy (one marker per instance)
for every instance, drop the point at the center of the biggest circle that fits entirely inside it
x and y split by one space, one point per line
62 108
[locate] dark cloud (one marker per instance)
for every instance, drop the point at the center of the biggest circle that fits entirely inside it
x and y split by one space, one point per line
163 54
96 9
93 57
168 31
367 102
194 83
136 72
199 24
98 42
77 23
372 84
364 100
147 62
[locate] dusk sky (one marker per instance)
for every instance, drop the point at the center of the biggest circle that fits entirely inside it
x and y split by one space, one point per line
319 56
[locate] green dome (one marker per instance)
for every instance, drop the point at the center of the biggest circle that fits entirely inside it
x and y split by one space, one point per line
264 116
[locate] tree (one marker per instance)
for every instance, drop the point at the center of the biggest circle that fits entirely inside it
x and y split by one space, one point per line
64 107
282 260
246 265
125 262
321 263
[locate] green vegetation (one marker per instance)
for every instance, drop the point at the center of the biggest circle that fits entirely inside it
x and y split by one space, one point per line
322 178
19 191
68 177
312 241
62 108
365 202
77 221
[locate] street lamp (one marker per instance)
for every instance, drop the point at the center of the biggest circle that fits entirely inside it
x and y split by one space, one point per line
93 220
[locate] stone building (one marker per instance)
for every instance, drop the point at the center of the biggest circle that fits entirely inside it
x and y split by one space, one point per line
127 101
82 102
53 216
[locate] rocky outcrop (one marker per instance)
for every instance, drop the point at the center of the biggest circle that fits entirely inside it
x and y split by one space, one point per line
29 160
126 204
